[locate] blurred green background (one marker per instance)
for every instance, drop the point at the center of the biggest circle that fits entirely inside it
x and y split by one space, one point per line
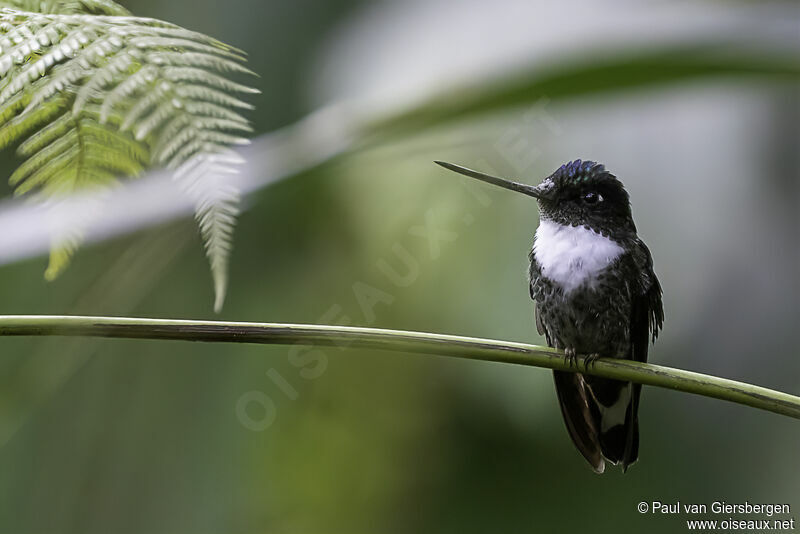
146 436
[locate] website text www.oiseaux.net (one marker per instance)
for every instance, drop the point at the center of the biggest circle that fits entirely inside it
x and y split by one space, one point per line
726 512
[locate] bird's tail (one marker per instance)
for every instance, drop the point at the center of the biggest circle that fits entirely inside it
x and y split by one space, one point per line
601 417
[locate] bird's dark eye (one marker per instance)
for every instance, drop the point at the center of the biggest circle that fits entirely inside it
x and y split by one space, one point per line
592 198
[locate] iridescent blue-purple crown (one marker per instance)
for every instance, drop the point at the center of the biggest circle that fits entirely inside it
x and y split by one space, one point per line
581 171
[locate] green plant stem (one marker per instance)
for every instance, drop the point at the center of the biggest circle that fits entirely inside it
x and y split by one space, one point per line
399 341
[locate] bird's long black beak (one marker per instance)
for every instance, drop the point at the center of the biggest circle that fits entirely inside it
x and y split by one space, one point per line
525 189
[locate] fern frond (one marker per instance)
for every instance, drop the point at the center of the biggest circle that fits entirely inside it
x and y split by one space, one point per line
212 110
200 60
102 95
193 75
163 112
207 94
43 137
24 122
179 43
216 209
38 173
158 93
202 143
44 156
123 92
89 7
115 67
86 154
13 107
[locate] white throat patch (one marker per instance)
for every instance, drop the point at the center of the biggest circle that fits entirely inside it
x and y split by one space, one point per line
572 255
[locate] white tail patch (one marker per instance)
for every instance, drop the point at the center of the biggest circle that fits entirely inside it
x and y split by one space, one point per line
572 255
611 416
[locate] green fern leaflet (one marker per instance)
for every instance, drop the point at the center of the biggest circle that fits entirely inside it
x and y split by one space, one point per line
95 95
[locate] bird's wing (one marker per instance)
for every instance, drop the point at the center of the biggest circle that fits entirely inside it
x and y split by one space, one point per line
647 311
540 325
534 287
647 317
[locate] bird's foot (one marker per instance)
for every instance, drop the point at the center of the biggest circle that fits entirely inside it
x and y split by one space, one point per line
571 356
589 360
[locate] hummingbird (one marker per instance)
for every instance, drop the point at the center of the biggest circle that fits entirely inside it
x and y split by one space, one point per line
595 293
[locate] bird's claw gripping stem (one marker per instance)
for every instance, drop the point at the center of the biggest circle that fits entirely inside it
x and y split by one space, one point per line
571 356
